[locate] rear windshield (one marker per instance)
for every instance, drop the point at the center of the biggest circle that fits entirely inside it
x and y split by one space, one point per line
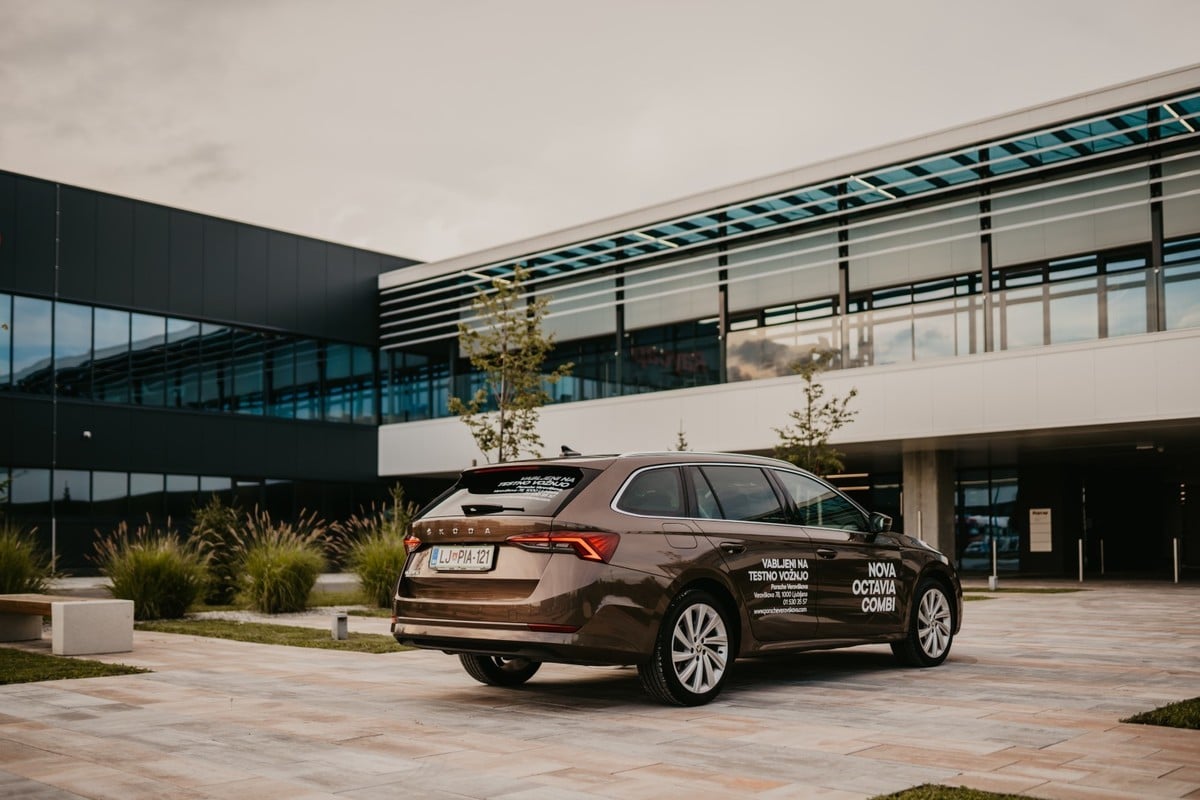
511 491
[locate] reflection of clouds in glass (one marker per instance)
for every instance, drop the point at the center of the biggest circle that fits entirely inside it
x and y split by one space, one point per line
30 335
1183 300
760 353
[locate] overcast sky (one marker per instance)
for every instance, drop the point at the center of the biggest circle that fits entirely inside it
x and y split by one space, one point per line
430 129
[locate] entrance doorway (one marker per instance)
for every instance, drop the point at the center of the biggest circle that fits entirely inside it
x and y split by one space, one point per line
1128 514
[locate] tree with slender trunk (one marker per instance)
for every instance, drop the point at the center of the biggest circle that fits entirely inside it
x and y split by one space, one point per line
505 344
805 441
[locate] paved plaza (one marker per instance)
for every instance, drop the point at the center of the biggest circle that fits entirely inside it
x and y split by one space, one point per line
1029 702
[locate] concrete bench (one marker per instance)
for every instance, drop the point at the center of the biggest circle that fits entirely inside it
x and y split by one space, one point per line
78 625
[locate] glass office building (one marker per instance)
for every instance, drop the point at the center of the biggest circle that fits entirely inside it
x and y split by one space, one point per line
150 357
1017 301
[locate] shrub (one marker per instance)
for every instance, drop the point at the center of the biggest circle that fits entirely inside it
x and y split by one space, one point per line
377 559
280 561
214 528
162 574
373 546
23 566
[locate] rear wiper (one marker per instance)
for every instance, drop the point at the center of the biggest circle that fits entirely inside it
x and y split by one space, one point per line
484 508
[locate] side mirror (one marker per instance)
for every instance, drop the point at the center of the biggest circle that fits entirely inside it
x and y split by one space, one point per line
880 523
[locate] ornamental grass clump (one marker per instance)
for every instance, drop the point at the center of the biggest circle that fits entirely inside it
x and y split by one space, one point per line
372 546
155 568
214 527
24 567
280 561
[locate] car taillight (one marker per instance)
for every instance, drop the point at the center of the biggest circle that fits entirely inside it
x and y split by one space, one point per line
411 543
590 545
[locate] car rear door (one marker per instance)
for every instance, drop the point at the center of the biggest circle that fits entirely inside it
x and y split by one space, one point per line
766 557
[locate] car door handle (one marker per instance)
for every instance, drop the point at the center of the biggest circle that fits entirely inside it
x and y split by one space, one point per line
826 552
733 548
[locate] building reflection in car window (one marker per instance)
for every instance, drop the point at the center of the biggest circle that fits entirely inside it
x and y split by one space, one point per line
819 506
707 506
744 493
655 492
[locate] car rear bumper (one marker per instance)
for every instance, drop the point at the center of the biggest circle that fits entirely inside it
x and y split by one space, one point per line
617 633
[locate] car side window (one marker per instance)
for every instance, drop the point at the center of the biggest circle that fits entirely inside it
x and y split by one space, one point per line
744 493
820 506
707 506
655 493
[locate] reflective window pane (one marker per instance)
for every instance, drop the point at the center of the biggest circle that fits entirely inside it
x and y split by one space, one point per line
307 387
281 378
744 494
1022 323
145 496
183 363
214 485
339 384
216 367
5 341
110 491
1181 288
934 330
73 349
29 493
1126 303
110 368
248 366
819 506
181 495
72 492
148 379
1074 315
363 407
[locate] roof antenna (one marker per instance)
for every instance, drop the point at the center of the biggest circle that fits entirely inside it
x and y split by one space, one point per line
566 451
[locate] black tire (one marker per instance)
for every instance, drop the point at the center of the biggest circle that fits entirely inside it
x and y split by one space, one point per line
692 654
931 629
499 670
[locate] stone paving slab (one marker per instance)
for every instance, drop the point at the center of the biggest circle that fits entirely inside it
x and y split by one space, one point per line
1029 702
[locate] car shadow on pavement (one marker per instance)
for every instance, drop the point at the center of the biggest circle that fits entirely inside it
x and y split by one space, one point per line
604 687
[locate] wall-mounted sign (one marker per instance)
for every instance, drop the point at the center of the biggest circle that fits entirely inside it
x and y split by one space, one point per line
1040 539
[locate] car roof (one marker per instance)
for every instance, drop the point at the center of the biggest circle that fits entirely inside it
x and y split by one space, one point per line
639 459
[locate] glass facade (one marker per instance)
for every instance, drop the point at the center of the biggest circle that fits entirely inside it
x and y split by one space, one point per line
1076 298
986 504
85 501
1041 238
109 355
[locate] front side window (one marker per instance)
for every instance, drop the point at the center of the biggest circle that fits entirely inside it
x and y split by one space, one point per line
819 506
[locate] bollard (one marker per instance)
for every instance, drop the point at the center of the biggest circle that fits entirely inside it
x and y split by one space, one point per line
1175 556
340 628
993 577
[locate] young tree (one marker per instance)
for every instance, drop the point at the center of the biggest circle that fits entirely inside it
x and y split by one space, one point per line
805 441
681 442
506 345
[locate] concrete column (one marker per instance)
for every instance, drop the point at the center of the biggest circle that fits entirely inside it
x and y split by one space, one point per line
928 485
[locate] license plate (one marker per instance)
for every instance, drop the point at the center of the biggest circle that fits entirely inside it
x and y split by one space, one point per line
462 557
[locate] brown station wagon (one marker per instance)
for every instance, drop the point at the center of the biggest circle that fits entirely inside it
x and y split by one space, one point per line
675 562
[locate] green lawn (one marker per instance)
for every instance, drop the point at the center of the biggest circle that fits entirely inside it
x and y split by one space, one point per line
266 633
1184 714
22 666
931 791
